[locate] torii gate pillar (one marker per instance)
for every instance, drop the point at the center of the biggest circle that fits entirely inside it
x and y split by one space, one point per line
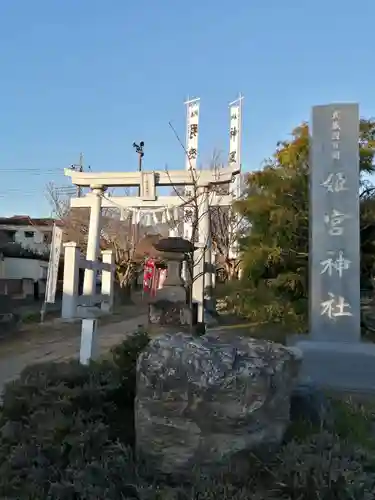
202 278
93 241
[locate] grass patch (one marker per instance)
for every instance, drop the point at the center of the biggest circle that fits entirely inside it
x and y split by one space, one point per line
263 331
354 421
351 421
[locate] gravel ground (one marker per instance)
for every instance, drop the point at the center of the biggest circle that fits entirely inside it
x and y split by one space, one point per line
58 341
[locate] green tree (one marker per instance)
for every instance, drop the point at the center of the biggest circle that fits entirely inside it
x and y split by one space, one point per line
274 284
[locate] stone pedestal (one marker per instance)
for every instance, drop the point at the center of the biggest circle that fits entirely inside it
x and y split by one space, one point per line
169 306
338 366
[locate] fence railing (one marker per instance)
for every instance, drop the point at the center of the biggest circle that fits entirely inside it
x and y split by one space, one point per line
80 306
87 307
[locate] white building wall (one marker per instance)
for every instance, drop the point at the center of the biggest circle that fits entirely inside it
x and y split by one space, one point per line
18 268
31 237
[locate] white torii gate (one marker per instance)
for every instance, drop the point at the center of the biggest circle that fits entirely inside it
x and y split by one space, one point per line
147 182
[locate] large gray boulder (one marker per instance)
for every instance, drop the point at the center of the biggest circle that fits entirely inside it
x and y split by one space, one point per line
207 401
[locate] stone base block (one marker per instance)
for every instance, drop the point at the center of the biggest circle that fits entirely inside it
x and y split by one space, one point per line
348 367
168 313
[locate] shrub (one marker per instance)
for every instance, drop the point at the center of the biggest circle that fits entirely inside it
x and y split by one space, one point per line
321 468
67 431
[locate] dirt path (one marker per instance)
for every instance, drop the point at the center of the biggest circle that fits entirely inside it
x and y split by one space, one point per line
57 341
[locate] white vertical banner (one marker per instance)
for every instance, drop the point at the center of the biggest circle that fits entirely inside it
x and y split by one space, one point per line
235 135
148 219
192 134
53 265
235 142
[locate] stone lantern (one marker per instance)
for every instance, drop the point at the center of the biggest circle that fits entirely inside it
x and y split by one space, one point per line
169 306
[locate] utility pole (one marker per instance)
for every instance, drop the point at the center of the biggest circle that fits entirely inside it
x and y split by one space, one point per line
78 168
140 152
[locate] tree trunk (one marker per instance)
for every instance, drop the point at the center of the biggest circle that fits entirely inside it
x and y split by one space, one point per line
122 294
229 270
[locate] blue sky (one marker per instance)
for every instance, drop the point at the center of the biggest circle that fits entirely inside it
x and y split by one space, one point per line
95 75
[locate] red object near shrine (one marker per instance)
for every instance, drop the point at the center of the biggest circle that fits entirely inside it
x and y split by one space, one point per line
148 275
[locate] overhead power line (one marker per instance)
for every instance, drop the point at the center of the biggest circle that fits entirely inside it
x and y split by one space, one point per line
33 170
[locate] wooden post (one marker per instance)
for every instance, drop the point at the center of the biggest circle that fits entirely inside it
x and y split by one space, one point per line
88 338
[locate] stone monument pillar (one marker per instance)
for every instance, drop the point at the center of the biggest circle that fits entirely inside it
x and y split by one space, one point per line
334 212
334 356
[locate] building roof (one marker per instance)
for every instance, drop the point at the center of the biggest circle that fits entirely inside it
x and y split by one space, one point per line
25 220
